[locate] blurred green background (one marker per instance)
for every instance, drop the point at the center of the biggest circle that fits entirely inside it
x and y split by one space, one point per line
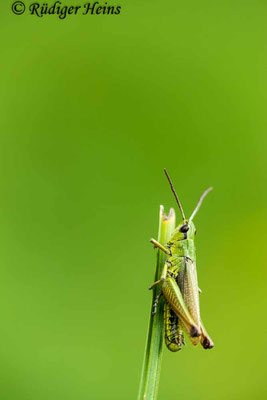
92 110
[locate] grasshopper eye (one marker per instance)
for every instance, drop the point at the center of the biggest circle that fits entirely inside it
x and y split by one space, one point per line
195 232
184 228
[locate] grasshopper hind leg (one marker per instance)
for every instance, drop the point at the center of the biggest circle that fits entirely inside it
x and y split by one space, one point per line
174 338
155 304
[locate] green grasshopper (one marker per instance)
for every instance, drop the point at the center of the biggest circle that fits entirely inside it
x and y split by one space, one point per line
180 286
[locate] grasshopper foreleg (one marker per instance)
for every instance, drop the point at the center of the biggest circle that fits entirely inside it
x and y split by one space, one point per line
159 246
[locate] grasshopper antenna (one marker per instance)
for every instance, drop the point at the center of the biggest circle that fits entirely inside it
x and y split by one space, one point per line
199 203
175 194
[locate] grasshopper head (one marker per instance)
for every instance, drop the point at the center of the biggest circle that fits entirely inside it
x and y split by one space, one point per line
185 230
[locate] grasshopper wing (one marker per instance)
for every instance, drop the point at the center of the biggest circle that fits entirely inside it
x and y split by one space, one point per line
187 282
205 340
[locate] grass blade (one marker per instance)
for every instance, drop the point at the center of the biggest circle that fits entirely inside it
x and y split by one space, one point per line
153 353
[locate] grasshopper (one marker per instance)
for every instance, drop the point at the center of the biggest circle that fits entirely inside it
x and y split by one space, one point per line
179 284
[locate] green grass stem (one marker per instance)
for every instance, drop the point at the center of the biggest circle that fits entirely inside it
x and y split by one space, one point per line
149 383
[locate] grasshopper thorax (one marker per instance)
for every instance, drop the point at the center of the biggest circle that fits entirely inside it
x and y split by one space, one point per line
185 230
